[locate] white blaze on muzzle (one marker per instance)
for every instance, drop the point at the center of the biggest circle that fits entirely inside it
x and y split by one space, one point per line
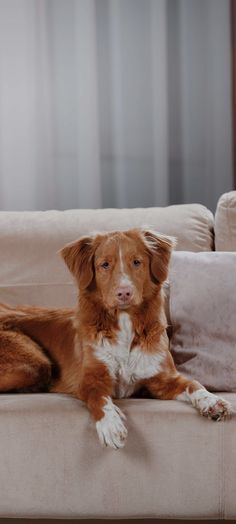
124 280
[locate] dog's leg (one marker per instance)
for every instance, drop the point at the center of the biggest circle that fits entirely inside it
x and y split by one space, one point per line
169 386
23 365
96 390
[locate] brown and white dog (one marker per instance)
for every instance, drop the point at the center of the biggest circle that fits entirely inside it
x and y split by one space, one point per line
114 344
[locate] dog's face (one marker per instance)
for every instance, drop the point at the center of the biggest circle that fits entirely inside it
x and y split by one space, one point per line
123 268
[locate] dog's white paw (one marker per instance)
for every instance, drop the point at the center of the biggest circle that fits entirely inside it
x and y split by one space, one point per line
211 405
110 428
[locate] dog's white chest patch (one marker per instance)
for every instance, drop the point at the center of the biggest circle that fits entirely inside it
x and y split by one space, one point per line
127 367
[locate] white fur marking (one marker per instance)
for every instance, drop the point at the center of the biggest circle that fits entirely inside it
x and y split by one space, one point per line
182 396
127 367
207 403
110 428
121 261
124 280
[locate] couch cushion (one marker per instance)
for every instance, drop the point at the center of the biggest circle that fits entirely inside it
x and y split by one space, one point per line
202 312
225 223
176 464
32 272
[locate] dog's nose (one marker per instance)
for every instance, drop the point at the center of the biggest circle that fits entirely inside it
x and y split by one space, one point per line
124 293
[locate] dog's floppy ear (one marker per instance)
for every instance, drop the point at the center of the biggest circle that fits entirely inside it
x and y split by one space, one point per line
79 257
159 248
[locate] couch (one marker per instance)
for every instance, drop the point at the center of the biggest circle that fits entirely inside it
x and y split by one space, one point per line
176 464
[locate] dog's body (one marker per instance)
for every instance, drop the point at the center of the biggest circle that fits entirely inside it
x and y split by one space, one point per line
114 345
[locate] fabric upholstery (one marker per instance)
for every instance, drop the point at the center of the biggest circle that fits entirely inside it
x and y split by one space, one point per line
176 464
202 312
225 223
31 270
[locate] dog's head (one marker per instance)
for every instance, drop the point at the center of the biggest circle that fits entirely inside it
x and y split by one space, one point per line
123 268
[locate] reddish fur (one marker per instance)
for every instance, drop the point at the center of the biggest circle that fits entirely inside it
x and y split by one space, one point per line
40 337
95 385
22 363
167 386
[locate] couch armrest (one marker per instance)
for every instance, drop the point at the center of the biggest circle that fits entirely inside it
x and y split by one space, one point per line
225 222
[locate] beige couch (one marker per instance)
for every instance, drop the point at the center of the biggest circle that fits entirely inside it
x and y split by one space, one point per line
176 464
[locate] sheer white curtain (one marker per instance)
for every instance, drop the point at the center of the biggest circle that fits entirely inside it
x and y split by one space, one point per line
114 103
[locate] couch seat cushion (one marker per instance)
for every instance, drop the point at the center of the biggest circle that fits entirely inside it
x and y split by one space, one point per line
176 464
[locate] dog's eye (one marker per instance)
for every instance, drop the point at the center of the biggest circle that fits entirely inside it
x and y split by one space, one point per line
136 262
105 265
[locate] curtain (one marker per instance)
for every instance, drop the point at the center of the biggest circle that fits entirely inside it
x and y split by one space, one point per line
114 103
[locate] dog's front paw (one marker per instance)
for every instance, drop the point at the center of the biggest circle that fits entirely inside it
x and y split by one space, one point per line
220 410
110 428
211 405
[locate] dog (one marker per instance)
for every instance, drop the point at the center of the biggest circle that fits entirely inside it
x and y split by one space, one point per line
114 344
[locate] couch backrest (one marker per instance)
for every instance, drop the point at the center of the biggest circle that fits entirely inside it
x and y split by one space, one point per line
31 270
225 223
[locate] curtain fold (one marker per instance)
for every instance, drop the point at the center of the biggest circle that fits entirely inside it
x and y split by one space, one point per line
114 103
